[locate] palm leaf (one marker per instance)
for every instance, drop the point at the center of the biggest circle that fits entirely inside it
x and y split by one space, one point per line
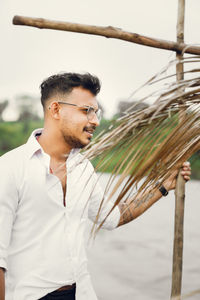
148 145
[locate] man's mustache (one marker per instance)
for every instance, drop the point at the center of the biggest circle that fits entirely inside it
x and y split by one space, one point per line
89 128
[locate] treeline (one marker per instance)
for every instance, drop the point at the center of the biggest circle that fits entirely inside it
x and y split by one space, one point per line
28 117
14 134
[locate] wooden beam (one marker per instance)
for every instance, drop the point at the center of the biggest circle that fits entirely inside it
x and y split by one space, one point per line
180 185
108 32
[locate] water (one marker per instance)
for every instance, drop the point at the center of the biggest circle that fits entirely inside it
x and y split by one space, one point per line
134 262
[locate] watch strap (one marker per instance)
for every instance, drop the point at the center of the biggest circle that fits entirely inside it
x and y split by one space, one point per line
163 191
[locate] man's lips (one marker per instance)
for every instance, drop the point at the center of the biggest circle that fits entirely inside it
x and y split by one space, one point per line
89 130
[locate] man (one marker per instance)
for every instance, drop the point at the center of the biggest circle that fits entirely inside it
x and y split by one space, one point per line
48 190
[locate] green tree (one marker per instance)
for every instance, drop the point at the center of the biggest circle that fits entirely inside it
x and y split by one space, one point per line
27 107
3 106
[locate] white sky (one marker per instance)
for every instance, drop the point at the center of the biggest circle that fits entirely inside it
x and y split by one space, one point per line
28 55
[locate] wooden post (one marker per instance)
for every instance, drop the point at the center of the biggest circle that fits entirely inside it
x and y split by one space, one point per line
108 32
180 186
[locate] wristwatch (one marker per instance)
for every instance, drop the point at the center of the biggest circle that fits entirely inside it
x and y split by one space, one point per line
163 191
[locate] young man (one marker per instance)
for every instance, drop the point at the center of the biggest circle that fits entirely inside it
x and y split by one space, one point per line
47 192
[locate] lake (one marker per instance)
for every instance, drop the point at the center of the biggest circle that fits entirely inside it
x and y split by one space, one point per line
134 262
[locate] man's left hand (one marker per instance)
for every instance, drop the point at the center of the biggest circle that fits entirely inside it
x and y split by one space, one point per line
170 183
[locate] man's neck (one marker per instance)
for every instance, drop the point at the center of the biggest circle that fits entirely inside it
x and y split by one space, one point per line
53 145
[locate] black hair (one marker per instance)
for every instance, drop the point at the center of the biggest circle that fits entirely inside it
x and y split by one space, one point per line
64 83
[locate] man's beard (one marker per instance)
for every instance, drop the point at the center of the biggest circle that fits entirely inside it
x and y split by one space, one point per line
73 142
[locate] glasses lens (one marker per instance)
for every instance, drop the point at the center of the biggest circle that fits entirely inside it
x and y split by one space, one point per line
99 114
91 113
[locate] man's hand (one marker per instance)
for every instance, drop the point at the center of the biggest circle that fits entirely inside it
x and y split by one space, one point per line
170 183
132 209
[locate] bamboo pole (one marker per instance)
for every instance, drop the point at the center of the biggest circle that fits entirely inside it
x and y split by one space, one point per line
109 32
180 186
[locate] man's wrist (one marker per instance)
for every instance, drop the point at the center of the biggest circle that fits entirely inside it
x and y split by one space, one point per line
163 188
163 191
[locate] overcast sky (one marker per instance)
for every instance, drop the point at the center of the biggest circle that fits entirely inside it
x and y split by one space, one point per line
28 55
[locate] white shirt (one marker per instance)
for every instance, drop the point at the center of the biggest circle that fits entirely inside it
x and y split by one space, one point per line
41 240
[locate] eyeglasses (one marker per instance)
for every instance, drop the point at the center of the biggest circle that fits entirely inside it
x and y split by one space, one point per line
91 112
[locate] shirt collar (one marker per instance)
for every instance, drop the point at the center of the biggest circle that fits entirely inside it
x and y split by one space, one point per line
33 146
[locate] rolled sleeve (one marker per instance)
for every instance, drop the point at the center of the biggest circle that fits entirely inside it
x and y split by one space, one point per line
8 205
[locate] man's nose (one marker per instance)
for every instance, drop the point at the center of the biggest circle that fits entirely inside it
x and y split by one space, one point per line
94 120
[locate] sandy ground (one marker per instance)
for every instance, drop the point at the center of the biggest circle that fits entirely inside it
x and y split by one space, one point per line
134 262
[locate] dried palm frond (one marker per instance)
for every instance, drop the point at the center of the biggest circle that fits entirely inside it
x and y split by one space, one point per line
148 145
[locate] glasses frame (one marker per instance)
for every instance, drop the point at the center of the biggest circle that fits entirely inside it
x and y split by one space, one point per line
98 112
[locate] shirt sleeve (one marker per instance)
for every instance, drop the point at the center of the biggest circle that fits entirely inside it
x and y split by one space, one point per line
97 195
8 206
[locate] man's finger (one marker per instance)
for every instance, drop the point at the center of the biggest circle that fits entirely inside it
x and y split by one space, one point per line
186 164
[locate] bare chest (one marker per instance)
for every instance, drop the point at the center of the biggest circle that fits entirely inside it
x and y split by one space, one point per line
60 170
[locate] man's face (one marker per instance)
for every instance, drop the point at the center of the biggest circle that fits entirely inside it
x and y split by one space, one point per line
75 127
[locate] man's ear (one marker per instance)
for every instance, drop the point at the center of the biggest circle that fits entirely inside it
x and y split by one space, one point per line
54 110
